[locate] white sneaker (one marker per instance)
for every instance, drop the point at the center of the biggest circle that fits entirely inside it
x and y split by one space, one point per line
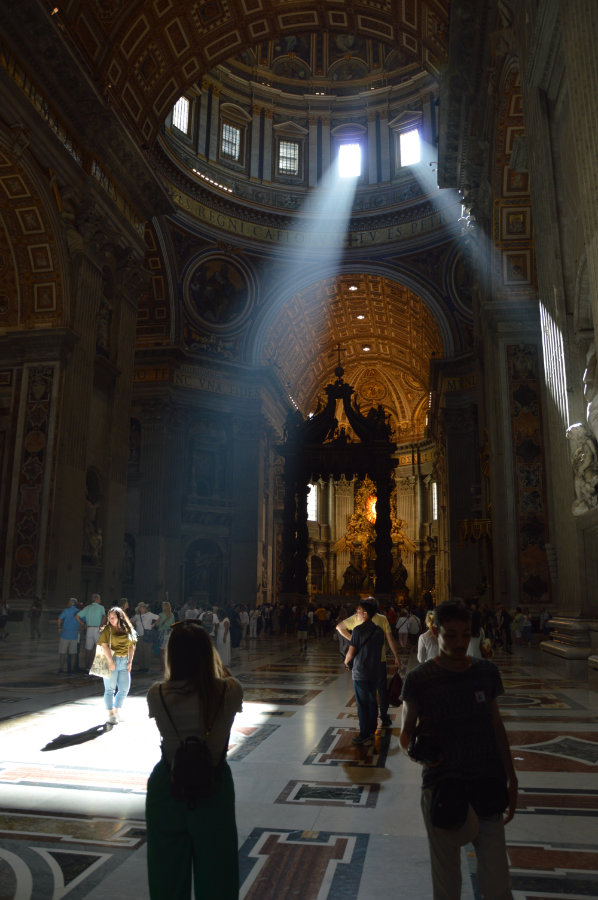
112 719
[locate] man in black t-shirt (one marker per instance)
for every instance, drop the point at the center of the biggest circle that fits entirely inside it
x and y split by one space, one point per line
365 651
452 700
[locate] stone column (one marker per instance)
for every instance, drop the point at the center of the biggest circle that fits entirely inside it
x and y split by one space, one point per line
202 125
302 538
214 125
372 155
268 121
255 150
383 542
384 147
312 145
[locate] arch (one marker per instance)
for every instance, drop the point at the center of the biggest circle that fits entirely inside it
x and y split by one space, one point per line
294 282
34 276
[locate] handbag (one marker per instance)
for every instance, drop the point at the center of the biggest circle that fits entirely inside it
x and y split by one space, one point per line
395 687
100 665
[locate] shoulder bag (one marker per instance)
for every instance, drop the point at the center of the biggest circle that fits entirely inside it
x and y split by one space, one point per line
100 665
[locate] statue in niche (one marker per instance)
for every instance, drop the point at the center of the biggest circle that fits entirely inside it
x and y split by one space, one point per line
92 534
93 539
590 390
353 576
134 443
128 564
379 422
584 461
103 329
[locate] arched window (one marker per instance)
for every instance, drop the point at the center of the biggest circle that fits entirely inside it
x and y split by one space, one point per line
180 115
312 503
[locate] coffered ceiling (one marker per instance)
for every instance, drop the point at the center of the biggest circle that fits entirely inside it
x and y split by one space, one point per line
145 53
386 336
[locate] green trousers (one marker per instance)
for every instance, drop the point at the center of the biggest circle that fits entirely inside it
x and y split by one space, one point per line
182 840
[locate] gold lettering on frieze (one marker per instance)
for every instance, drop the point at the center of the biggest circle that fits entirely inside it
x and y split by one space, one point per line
212 383
151 373
329 238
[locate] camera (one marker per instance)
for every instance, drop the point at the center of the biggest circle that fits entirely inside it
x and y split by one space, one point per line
424 748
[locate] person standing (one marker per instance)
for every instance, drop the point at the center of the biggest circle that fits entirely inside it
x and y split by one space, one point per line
363 660
118 640
403 627
223 637
68 633
254 618
163 626
427 644
202 698
143 622
450 703
345 627
302 626
35 615
93 617
244 621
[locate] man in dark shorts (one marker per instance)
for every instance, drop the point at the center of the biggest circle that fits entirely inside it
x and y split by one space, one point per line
450 707
364 652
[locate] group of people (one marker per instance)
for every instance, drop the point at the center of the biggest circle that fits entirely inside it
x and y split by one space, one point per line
451 725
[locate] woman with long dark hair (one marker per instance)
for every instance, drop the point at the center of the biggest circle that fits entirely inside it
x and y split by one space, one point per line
199 698
118 640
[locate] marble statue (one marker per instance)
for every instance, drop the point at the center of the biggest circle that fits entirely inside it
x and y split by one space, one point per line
584 460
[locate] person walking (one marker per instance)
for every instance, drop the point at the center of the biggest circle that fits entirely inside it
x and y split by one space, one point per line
363 660
345 628
200 841
118 640
452 725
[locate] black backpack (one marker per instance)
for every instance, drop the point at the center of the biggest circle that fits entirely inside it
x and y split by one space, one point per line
192 774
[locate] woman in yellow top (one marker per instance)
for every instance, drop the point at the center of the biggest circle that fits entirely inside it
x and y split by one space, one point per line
117 639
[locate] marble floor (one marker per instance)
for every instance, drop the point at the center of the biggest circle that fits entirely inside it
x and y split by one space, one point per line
318 818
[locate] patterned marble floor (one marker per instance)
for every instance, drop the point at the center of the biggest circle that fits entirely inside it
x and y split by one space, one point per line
318 818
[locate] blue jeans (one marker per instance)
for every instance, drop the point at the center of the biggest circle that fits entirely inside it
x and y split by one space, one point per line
367 707
119 681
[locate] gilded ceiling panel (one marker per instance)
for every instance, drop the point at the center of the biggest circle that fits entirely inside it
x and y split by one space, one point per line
386 337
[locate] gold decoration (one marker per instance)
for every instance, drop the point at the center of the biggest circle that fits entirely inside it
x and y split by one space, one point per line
360 527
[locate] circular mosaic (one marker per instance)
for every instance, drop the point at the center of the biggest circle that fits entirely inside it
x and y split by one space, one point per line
217 292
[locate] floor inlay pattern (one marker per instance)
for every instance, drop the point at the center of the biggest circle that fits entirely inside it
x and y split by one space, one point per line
335 749
306 864
330 793
73 789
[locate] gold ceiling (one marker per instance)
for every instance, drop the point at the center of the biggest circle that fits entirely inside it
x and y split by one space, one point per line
397 327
